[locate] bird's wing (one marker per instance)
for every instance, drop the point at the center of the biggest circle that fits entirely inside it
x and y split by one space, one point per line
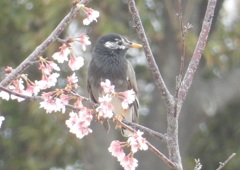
92 93
132 84
93 81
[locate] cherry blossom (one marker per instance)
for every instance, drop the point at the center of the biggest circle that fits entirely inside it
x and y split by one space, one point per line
62 55
47 81
18 87
41 84
107 87
83 39
52 79
92 15
1 120
64 101
72 120
127 98
4 95
72 79
8 69
137 142
19 99
78 104
53 65
71 83
105 108
29 91
50 103
48 66
32 89
116 149
128 162
75 63
79 122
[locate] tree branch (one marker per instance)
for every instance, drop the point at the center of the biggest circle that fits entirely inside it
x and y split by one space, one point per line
180 19
131 124
42 47
32 98
162 156
197 54
146 130
168 98
172 128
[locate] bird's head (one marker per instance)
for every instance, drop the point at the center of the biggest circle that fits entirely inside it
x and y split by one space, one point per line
115 43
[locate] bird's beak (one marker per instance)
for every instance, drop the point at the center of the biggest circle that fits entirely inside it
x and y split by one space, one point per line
135 45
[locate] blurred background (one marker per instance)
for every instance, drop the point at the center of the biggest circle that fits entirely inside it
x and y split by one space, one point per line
209 125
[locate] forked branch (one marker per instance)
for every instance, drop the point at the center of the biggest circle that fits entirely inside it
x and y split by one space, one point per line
197 54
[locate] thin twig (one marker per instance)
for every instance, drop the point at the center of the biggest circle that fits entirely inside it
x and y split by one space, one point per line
43 46
183 34
146 130
225 162
61 40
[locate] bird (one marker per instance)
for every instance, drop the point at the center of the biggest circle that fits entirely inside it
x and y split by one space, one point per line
109 62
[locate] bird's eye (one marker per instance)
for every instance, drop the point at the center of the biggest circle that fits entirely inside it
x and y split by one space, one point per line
120 43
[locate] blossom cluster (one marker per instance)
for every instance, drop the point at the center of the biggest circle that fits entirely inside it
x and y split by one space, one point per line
57 100
49 70
23 85
79 122
135 142
127 97
105 108
75 63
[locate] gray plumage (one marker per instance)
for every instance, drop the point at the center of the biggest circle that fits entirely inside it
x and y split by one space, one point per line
109 62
